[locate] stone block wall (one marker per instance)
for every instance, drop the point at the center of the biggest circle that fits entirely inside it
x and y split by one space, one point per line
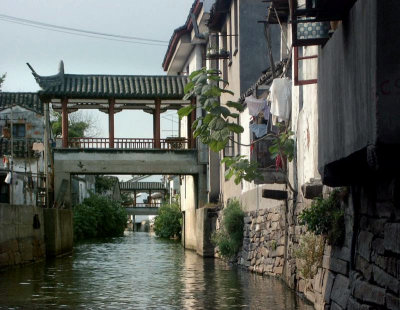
375 270
363 273
264 241
21 235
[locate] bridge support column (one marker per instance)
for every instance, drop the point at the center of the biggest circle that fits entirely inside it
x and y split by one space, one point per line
62 188
64 122
156 124
201 188
111 122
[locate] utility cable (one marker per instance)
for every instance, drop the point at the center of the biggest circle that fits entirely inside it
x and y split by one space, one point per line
83 33
79 30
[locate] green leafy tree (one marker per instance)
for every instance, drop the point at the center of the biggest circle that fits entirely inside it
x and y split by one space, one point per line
2 78
326 217
241 168
217 125
104 183
215 128
79 125
229 238
97 217
168 222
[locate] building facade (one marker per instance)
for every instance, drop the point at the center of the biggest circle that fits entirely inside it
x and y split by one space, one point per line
22 149
338 67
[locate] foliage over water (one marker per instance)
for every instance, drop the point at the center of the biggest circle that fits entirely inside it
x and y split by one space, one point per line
99 217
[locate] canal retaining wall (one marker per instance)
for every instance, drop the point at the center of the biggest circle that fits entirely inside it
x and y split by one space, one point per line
21 235
363 273
59 235
29 234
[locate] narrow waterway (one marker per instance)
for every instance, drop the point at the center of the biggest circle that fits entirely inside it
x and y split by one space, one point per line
139 271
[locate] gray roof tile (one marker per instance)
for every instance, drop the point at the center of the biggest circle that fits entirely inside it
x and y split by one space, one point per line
113 86
29 101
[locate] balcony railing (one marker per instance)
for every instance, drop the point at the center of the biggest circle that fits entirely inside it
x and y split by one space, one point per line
311 19
142 205
173 143
21 147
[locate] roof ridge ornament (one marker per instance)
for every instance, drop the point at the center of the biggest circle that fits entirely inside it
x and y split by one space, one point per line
46 82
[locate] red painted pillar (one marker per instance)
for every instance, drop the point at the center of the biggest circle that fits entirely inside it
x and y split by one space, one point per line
157 127
111 122
64 122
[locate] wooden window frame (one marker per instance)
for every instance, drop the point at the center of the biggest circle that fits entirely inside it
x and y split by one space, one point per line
296 57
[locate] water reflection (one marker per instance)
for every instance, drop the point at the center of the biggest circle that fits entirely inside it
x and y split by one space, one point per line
139 271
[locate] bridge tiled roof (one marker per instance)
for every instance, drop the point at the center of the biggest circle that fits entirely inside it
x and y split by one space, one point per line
29 101
101 86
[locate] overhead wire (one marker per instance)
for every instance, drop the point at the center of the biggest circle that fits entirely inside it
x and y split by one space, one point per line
82 32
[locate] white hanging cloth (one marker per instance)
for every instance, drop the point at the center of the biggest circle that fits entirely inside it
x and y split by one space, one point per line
281 98
255 105
8 178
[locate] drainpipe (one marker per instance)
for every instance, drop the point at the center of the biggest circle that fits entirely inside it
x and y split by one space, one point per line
12 158
46 150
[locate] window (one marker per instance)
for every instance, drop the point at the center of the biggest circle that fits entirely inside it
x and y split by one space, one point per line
259 151
19 130
229 150
298 79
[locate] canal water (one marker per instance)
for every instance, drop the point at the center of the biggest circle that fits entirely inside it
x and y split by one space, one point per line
140 271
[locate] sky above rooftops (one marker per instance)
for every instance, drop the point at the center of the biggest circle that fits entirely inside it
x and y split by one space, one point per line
43 49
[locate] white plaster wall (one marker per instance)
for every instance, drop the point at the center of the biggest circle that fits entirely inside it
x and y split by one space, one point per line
248 193
187 189
188 206
21 195
305 121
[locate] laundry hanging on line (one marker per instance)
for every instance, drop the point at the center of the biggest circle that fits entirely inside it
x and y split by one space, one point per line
7 180
281 99
255 105
259 129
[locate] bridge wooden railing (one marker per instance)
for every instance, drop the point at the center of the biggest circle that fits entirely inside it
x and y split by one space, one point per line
142 205
173 143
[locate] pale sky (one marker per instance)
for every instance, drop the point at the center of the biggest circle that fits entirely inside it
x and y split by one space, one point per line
43 49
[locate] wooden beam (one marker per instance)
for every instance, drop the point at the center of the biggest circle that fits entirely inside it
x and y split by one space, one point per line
64 122
111 122
275 194
157 126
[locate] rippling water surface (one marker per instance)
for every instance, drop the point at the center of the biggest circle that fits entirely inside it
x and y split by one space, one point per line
139 271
